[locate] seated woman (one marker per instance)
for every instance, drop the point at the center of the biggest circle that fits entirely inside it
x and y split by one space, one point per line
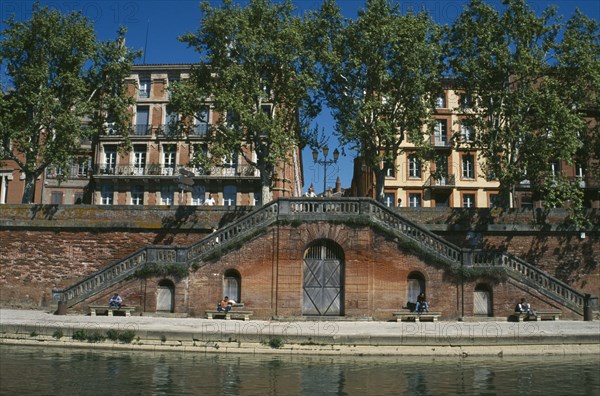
422 304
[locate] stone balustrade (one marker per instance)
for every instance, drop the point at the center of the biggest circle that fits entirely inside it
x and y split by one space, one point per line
351 210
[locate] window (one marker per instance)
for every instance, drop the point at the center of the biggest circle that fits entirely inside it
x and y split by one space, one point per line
526 202
441 171
198 194
440 133
170 127
106 194
57 198
468 200
389 199
554 168
466 101
390 170
81 167
142 120
110 159
258 198
169 154
230 164
440 101
579 171
172 82
139 160
137 195
167 195
466 133
414 167
232 119
201 121
495 201
468 166
144 91
78 198
229 195
414 200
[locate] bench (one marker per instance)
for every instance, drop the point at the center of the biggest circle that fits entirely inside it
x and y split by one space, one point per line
537 315
433 316
245 315
110 310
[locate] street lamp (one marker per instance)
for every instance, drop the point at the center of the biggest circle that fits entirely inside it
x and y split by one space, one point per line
325 162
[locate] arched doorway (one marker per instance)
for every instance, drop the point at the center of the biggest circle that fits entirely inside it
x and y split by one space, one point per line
232 285
322 284
165 296
415 286
482 300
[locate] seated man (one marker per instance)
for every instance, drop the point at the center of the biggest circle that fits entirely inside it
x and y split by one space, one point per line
224 305
116 301
422 304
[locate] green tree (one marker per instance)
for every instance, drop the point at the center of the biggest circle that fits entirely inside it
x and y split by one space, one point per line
257 71
578 72
382 75
58 75
522 116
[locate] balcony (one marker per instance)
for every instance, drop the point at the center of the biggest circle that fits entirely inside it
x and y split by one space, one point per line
171 170
167 130
142 130
447 181
199 130
441 142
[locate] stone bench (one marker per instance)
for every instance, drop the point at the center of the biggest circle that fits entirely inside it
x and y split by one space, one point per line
245 315
95 308
433 316
537 315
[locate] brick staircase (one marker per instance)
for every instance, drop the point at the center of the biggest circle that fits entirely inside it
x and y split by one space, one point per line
350 210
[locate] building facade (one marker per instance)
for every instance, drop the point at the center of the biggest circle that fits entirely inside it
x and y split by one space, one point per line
158 168
457 179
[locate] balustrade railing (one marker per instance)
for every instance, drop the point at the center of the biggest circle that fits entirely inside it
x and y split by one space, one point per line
311 209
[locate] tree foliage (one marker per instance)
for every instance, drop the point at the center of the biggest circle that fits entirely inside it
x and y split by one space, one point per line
59 74
527 90
381 78
257 72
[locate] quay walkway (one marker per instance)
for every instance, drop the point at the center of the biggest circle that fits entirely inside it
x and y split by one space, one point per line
361 337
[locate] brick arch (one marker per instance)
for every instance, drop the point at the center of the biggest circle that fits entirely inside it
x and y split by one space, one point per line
339 234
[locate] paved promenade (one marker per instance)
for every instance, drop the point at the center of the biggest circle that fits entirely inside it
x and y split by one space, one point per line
310 337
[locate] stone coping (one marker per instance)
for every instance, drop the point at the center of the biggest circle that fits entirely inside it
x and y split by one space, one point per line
361 337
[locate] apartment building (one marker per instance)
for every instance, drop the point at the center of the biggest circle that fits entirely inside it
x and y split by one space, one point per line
158 168
457 179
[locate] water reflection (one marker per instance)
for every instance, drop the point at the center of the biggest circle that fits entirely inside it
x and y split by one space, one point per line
49 371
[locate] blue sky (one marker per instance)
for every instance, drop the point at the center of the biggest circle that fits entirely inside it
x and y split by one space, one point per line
156 24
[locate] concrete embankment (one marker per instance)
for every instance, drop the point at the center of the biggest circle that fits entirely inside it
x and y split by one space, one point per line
305 337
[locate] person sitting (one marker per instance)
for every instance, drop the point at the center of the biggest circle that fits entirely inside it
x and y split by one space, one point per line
422 304
224 305
116 301
523 307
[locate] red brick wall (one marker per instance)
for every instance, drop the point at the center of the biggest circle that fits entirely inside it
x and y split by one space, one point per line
375 278
41 250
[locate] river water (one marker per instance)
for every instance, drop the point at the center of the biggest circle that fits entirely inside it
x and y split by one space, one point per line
58 371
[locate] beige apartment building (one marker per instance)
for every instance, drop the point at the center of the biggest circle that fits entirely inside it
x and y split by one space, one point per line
457 180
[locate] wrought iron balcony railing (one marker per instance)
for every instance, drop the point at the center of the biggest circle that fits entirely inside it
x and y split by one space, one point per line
440 181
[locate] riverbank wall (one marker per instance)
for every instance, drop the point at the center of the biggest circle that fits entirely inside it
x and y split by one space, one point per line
193 335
